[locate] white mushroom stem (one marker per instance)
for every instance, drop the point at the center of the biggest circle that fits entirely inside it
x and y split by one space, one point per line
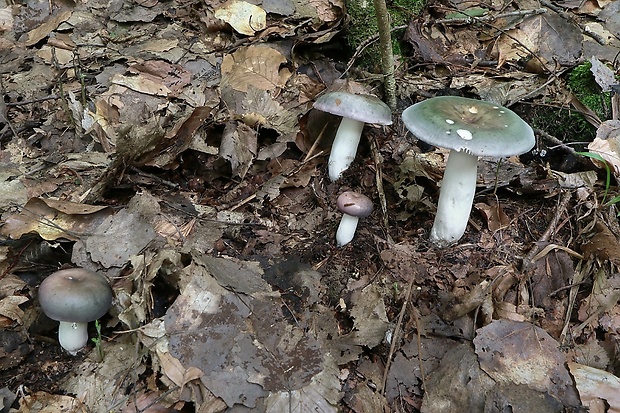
344 147
72 336
346 229
455 198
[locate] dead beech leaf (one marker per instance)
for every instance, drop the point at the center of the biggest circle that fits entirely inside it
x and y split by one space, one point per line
173 76
54 219
595 385
607 145
177 140
238 147
42 402
553 39
604 245
244 17
521 353
495 216
141 84
38 34
370 318
257 65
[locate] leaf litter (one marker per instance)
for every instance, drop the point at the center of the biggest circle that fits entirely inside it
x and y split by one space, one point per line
173 148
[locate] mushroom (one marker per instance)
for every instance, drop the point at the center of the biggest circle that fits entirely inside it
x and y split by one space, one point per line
469 128
355 111
353 207
74 297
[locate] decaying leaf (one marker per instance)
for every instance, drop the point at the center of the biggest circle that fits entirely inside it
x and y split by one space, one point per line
244 17
549 37
55 219
257 65
521 353
370 318
596 385
238 147
495 216
243 345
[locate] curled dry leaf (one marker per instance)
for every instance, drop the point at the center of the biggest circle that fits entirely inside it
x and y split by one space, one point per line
54 219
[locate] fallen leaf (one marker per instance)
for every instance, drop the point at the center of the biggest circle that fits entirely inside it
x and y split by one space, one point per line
521 353
55 219
38 34
257 65
244 17
594 384
238 147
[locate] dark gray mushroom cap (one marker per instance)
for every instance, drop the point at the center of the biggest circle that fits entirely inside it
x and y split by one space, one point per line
363 108
75 295
352 203
469 125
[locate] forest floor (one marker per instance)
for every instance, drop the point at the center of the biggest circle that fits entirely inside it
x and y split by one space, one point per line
172 147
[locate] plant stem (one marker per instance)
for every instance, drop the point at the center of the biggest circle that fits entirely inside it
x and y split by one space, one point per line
387 56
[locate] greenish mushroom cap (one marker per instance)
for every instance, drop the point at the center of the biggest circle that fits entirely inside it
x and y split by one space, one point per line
468 125
363 108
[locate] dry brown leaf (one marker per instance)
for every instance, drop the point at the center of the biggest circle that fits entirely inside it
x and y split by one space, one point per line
604 245
257 65
141 84
38 34
495 216
594 385
238 147
521 353
41 402
244 17
54 219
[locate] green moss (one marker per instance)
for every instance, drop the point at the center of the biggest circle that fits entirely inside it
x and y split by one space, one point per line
583 85
363 24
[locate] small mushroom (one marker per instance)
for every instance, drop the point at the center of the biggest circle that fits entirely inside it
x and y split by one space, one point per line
355 111
353 207
469 128
74 297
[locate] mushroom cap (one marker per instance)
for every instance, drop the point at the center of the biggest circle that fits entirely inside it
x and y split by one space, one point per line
472 126
75 295
354 204
363 108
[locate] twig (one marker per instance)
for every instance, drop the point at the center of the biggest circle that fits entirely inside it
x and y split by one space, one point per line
363 45
396 335
491 17
381 193
561 209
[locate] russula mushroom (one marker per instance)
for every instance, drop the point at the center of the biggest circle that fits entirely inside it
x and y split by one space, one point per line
74 297
353 207
355 111
469 128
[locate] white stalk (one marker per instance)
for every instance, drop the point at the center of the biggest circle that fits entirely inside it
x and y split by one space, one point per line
344 147
455 198
72 336
346 229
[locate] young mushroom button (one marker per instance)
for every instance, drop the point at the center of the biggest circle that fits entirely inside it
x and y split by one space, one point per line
74 297
355 111
353 207
469 128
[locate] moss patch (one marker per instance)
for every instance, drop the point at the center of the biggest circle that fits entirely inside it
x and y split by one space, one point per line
582 83
363 24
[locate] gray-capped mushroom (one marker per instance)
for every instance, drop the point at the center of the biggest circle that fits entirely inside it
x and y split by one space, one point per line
74 297
353 207
355 111
469 128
